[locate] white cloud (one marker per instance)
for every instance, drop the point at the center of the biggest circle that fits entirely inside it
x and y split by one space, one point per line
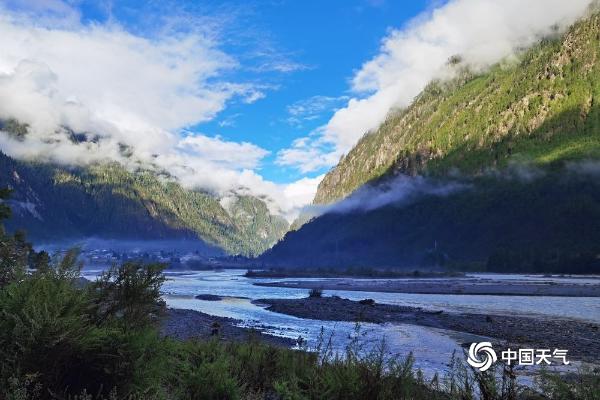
302 192
313 108
267 56
232 154
400 191
105 80
133 94
308 153
482 31
229 121
46 12
280 65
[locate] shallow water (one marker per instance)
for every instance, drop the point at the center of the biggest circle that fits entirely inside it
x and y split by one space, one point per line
233 283
432 348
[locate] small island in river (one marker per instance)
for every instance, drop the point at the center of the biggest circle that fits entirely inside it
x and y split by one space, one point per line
460 285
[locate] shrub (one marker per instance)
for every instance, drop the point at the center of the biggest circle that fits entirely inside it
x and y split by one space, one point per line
585 384
14 256
45 332
129 294
315 293
52 342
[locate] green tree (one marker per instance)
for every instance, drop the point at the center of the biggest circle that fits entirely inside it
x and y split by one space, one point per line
129 294
14 249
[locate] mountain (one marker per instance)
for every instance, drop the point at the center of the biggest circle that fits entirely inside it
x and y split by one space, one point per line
539 109
521 138
53 202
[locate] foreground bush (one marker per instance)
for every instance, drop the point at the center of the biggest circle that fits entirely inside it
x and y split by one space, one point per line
50 336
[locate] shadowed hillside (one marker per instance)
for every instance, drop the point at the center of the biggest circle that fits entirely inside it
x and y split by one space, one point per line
550 223
105 200
523 137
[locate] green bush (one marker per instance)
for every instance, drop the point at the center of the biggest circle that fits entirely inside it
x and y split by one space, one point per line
584 385
129 294
48 334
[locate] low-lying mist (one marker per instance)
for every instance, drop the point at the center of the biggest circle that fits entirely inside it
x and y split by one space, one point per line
403 190
133 245
400 191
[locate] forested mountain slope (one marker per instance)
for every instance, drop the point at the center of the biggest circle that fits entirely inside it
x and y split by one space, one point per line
52 202
523 141
540 109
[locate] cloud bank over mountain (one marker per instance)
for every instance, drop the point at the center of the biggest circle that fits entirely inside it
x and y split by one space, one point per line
132 96
137 97
481 32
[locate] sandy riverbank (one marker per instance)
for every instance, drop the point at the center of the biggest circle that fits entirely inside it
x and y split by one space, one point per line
581 339
189 324
466 286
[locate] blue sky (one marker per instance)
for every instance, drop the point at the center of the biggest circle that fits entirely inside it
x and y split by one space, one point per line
238 97
319 45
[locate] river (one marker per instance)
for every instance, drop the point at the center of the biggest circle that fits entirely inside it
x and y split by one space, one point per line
432 348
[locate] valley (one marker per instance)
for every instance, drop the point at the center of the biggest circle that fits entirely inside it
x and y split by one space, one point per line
292 201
